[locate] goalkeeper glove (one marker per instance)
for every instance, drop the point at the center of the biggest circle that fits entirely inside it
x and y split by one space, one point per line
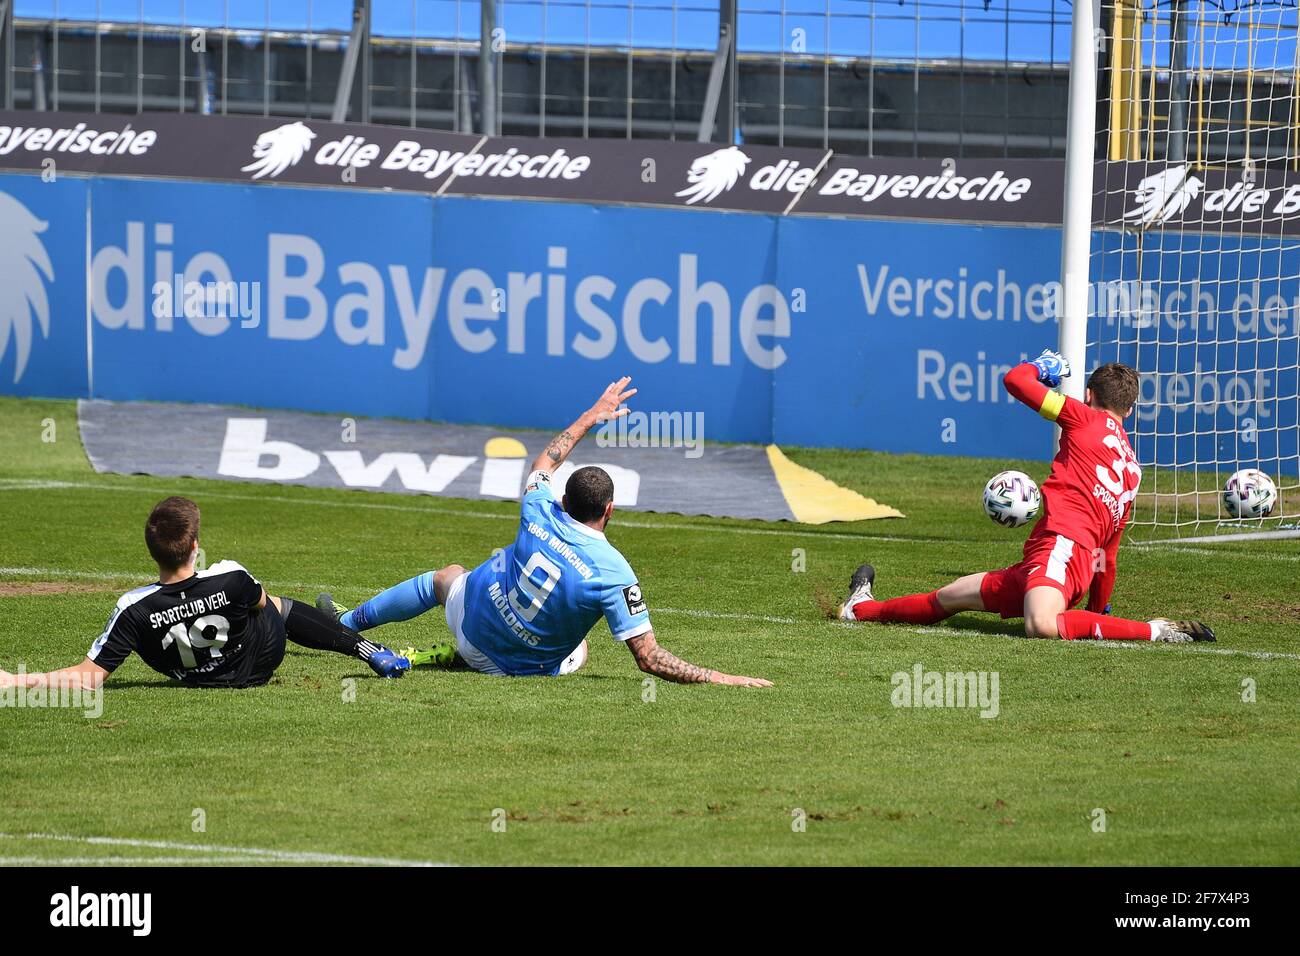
1052 367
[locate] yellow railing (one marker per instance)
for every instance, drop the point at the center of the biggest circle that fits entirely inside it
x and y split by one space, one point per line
1138 31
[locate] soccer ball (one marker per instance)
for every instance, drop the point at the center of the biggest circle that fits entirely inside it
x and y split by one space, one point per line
1249 493
1012 498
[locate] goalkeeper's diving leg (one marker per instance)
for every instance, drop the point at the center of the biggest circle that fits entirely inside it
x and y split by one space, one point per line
1044 608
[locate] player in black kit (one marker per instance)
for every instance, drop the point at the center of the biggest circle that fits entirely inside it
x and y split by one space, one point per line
211 628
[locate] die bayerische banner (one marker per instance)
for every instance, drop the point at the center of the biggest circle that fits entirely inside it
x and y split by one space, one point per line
1020 191
1246 200
279 150
775 180
767 179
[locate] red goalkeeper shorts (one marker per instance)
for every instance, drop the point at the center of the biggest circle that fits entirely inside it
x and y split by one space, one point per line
1052 560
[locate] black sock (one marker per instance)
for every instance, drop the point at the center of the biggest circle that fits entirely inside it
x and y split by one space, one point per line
309 627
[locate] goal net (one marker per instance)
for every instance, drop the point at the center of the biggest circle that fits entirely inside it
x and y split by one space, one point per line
1195 255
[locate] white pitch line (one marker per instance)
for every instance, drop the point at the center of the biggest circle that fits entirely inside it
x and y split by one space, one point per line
1195 649
54 573
128 860
1132 645
142 577
693 612
793 531
29 572
22 484
1214 552
1291 532
215 851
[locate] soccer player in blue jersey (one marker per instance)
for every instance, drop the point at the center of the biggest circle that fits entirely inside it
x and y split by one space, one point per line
527 610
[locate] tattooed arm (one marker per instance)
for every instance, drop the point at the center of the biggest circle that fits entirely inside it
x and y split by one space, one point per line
660 662
606 407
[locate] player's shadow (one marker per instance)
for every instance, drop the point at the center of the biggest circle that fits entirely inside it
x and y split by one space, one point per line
967 621
993 627
148 684
179 685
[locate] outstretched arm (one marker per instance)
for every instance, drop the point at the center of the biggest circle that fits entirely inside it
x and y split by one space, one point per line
606 407
660 662
1032 382
87 675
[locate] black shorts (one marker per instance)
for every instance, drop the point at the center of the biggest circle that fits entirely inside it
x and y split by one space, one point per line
262 653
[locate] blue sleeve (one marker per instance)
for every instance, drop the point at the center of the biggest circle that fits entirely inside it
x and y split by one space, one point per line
624 605
538 496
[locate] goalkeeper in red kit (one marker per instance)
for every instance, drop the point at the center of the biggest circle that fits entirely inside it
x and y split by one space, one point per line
1072 549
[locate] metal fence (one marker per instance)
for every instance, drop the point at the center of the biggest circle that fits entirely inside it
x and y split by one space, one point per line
1214 82
878 77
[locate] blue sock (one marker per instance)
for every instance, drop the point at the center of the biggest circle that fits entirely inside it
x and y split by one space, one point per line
401 602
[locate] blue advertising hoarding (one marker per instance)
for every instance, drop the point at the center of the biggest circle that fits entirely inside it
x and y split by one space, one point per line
1213 322
591 293
43 348
908 329
885 335
326 312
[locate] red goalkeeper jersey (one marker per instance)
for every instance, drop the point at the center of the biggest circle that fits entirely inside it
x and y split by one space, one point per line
1095 474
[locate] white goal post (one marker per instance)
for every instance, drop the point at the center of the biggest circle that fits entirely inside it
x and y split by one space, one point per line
1181 247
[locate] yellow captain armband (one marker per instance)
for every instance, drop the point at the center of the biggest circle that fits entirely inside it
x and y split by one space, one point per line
1052 405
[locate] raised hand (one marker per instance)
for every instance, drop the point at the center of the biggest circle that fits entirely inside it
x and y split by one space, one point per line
736 681
1052 367
606 408
615 394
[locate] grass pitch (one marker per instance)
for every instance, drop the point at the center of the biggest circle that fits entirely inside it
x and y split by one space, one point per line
602 768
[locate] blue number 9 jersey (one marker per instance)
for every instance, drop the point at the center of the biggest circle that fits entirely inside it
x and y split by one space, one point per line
529 607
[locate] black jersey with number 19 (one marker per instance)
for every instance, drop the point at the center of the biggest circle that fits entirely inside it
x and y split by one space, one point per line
205 630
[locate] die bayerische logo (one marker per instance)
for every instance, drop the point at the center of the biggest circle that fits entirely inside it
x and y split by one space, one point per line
24 270
1164 196
713 174
278 149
